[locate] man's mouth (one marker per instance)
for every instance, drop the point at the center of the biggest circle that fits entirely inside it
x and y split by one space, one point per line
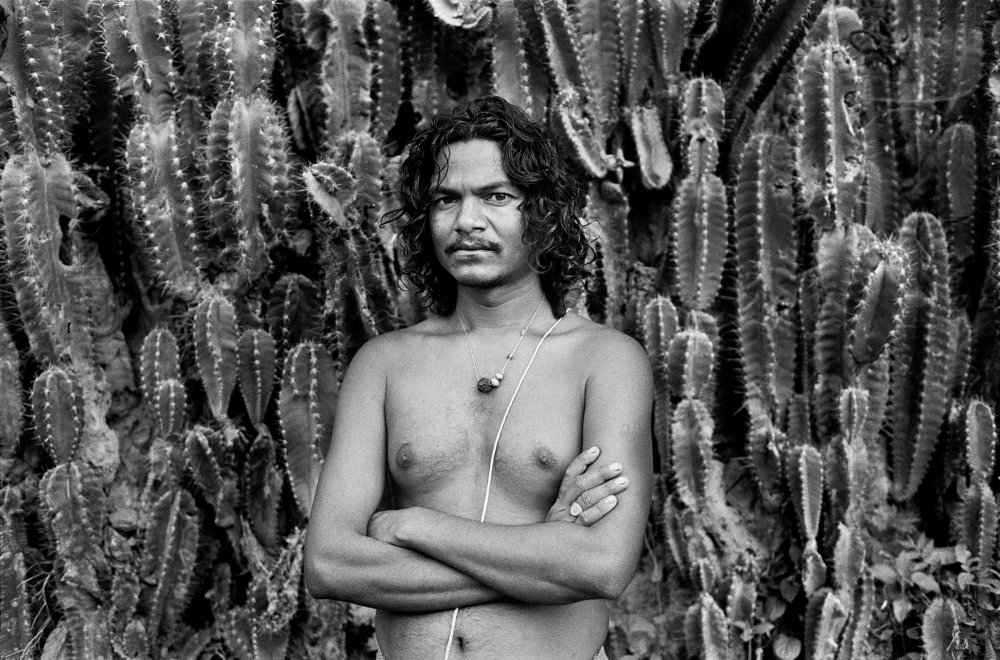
470 247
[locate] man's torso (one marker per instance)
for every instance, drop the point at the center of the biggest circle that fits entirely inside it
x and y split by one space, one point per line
440 434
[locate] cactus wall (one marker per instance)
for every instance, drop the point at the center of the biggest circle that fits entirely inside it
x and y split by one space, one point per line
795 209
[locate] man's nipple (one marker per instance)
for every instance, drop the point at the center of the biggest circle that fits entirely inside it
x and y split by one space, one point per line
545 458
404 456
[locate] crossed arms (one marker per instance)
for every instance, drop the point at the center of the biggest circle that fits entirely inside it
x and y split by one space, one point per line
421 560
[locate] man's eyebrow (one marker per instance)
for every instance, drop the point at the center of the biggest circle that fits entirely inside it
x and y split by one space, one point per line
489 187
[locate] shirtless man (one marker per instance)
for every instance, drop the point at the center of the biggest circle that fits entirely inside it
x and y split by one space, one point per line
493 240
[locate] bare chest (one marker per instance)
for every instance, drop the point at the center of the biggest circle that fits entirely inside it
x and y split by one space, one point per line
441 434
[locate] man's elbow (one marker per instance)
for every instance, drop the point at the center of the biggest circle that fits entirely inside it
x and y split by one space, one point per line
611 577
612 583
316 576
323 573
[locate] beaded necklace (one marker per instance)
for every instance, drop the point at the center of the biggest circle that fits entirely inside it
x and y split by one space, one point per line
487 385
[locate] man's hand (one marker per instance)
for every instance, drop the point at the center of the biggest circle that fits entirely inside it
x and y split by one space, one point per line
385 526
587 495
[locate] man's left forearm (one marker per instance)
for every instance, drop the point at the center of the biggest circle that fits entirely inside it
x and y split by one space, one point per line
552 562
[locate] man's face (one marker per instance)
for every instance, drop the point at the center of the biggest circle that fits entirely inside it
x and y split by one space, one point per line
476 223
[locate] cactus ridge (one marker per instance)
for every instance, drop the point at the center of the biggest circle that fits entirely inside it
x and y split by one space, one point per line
766 444
980 439
706 630
690 363
825 620
766 267
215 349
193 29
849 558
854 641
659 328
15 627
144 23
830 154
871 325
305 408
563 48
165 203
159 360
256 354
673 22
602 54
248 46
921 351
262 490
959 366
574 131
804 468
610 210
655 163
939 628
74 498
510 60
959 171
691 434
741 599
703 103
169 553
638 48
960 61
11 415
259 178
700 239
346 66
768 46
34 196
977 523
169 403
57 402
10 136
200 462
854 410
837 261
39 69
386 51
293 312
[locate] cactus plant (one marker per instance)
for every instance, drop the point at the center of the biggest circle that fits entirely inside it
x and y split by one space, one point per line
176 172
306 404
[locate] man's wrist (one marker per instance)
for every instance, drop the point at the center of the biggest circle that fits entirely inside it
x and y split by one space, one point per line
409 525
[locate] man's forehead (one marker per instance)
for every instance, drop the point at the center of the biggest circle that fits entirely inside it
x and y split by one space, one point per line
476 162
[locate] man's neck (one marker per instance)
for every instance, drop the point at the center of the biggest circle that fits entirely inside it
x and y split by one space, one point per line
491 309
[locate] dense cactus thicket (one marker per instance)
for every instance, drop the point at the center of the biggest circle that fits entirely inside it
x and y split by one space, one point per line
794 205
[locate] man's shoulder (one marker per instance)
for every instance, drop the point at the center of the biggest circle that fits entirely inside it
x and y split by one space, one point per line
390 345
604 343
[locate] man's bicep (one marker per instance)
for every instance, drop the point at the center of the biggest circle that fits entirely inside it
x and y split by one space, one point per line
353 476
617 416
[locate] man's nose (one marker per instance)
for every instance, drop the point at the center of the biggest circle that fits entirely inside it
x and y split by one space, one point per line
470 215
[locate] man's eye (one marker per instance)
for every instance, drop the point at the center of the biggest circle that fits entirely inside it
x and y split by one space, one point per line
498 197
444 201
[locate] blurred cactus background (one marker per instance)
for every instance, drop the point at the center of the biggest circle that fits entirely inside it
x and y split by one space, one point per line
795 208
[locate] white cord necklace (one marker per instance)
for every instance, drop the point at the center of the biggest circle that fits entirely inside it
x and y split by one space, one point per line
493 458
487 385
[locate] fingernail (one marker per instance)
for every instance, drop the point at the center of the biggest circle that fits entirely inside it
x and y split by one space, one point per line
593 450
575 510
614 467
610 500
621 481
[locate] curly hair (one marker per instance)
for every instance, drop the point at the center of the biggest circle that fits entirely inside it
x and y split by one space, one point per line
558 247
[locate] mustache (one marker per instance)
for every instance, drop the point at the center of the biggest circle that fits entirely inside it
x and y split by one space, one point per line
470 245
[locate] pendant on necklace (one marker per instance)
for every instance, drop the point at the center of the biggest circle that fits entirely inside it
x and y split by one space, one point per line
484 385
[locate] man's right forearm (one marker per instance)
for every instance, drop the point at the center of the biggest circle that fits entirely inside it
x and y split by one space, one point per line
376 574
